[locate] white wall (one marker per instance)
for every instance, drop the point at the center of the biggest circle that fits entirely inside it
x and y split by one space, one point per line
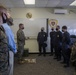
37 13
68 20
32 27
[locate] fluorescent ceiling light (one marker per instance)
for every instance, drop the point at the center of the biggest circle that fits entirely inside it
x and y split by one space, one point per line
29 2
73 3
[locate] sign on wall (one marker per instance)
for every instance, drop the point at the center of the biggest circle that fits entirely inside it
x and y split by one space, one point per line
53 23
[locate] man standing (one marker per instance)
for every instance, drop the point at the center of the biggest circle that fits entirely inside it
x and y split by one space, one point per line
42 38
3 50
52 41
20 42
7 22
58 42
66 51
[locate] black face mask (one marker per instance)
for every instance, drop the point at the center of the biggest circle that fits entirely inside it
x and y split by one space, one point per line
52 29
22 27
42 30
56 29
9 21
62 30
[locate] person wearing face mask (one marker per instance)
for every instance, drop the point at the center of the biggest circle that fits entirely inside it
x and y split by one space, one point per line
20 42
7 21
42 38
58 43
4 63
66 42
52 41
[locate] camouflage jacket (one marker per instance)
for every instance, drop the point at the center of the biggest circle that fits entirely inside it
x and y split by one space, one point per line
20 38
3 50
73 53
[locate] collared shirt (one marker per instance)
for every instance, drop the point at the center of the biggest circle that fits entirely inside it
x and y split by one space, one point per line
10 36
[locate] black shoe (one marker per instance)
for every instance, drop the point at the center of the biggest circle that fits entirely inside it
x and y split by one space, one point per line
51 55
55 57
21 62
65 66
58 59
44 55
63 62
39 55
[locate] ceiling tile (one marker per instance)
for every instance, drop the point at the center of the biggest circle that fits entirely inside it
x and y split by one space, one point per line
18 3
53 3
41 3
64 3
6 3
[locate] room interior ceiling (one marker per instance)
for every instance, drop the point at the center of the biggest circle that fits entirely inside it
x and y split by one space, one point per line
39 4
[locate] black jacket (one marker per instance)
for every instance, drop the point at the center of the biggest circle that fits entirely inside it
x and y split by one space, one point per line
66 41
42 37
66 38
52 37
58 38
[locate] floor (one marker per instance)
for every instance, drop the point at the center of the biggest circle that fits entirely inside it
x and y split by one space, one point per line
43 66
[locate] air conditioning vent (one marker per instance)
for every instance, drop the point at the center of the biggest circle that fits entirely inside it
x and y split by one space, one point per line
61 11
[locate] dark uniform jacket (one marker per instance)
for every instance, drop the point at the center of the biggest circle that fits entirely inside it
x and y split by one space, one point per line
20 38
66 41
42 37
52 36
3 50
58 38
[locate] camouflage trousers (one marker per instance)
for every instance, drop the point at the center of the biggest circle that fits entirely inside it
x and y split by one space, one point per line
4 66
20 52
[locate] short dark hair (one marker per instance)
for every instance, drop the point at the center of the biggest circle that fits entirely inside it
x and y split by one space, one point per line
64 27
20 24
58 26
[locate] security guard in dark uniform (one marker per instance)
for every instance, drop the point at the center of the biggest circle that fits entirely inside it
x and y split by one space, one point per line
52 41
66 51
58 43
42 38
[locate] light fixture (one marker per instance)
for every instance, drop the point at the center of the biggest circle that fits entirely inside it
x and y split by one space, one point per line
73 3
29 2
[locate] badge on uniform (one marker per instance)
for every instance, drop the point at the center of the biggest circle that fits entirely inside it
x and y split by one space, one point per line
44 35
57 35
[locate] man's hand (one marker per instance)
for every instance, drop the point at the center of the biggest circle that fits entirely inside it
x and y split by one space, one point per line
27 38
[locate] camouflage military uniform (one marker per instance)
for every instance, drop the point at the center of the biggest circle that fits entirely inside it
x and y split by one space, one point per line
20 43
3 53
73 54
